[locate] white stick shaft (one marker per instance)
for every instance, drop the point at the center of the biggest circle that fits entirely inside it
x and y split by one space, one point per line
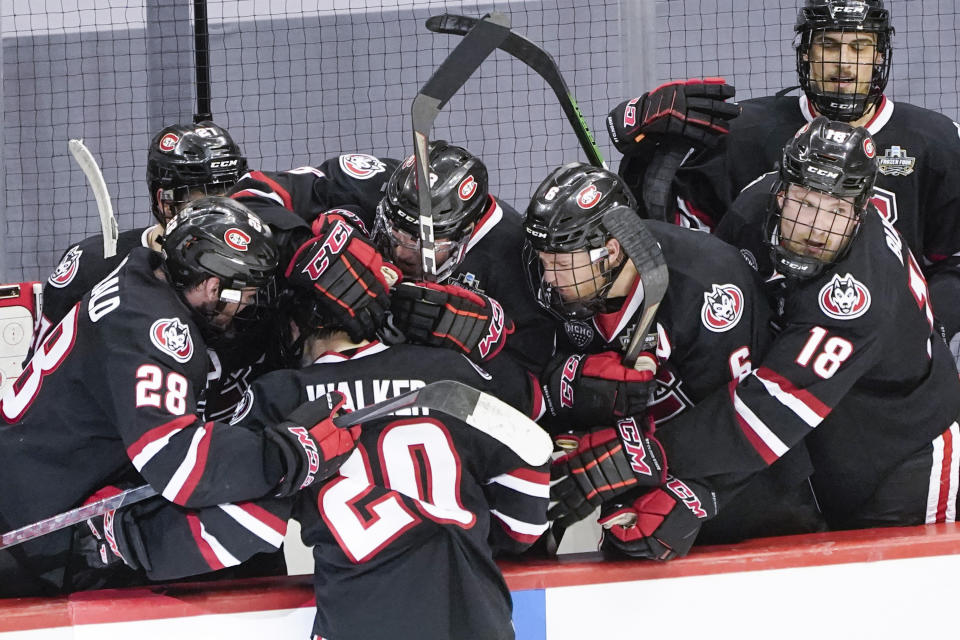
91 170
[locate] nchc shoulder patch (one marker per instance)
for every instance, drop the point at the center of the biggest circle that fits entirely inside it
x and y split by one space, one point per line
844 298
66 271
722 307
361 165
172 337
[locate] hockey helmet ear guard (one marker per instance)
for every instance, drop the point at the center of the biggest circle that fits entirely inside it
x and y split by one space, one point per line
187 161
459 196
832 45
565 251
826 177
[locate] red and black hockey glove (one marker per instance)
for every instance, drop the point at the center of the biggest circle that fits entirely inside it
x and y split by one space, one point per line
661 524
694 110
594 390
603 465
344 268
450 316
313 448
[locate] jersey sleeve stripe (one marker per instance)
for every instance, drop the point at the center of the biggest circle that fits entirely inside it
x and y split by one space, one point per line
520 527
802 402
533 488
285 197
791 398
257 193
258 521
538 406
186 474
154 440
766 443
213 552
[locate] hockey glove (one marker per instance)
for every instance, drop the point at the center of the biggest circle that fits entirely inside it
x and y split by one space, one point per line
594 390
694 110
344 269
313 448
601 467
661 524
104 545
452 317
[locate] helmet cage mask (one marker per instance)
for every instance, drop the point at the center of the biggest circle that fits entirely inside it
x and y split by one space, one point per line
823 23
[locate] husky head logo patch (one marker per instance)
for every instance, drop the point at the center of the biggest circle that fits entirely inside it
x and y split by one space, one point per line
722 307
172 336
844 298
66 271
361 165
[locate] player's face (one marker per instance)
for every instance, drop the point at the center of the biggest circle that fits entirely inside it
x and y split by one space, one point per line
405 251
171 206
843 61
815 224
576 276
224 318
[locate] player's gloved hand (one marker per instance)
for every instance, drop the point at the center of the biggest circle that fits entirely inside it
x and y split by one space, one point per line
603 466
341 265
661 524
102 541
694 110
452 317
313 448
595 389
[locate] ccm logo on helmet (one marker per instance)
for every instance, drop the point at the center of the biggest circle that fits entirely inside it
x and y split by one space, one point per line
237 239
223 164
588 197
822 172
467 188
169 142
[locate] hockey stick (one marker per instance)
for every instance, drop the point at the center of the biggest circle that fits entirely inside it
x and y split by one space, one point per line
479 410
91 169
452 73
546 67
658 196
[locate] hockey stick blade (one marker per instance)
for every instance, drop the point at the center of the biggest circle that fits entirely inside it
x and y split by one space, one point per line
452 73
644 251
108 223
479 410
658 196
543 64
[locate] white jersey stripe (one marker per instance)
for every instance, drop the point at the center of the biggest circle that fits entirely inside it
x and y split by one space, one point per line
933 489
257 527
527 487
954 474
790 401
146 454
769 438
269 195
525 528
180 476
225 557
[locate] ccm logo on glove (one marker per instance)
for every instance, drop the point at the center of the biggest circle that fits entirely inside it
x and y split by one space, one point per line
333 244
686 495
310 449
636 452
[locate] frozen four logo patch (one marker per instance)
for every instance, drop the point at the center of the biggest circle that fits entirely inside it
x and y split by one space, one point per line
722 307
172 337
66 271
844 298
361 165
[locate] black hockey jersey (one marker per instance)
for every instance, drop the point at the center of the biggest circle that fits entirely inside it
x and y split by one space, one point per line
410 526
857 372
112 392
711 328
917 149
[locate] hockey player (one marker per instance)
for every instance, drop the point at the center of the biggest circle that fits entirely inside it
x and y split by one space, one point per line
414 519
843 59
112 392
184 162
857 371
479 241
709 328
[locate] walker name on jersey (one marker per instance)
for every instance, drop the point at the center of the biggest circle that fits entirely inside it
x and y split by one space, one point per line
360 393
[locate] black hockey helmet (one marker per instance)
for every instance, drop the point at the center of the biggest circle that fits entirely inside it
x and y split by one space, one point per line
459 191
185 158
565 215
843 16
218 236
830 158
